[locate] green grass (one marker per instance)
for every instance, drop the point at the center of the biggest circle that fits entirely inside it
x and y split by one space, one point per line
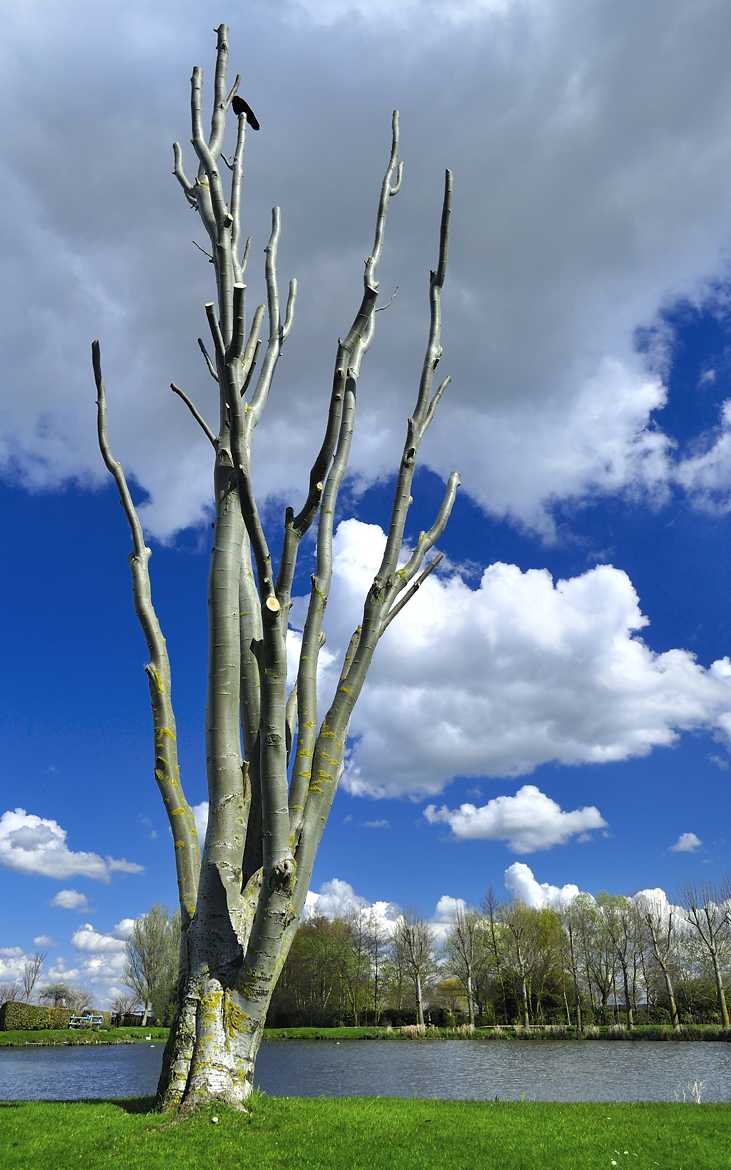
352 1133
62 1036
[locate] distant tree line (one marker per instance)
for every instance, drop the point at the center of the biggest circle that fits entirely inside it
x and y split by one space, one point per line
594 961
604 960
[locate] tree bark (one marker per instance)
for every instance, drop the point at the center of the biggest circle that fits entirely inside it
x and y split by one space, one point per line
241 900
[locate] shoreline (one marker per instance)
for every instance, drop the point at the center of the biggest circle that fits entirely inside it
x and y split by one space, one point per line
63 1038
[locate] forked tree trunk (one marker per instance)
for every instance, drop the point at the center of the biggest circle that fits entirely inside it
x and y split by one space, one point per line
240 900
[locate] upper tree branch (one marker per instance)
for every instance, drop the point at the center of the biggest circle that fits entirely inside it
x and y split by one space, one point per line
330 743
167 771
326 477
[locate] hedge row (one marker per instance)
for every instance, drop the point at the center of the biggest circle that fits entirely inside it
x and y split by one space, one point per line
30 1017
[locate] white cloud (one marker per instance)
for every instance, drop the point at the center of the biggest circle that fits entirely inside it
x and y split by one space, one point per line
706 474
524 887
527 822
33 844
519 671
70 900
12 963
44 940
200 814
124 928
337 899
380 823
686 843
590 221
86 938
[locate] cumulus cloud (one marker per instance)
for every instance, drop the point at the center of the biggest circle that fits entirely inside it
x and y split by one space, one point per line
686 843
337 899
70 900
124 928
527 822
524 887
12 963
86 938
33 844
44 940
518 671
706 473
573 243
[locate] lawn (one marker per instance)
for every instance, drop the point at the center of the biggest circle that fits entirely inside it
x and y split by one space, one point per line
17 1038
53 1036
353 1133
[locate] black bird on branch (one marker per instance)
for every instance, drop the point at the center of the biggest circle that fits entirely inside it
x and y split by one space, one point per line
239 106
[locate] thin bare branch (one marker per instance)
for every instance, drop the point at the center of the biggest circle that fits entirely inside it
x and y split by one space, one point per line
189 189
325 479
196 414
289 311
413 588
207 359
206 254
167 770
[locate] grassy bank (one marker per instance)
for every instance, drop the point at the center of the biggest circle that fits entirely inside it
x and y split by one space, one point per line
324 1134
510 1032
66 1036
51 1037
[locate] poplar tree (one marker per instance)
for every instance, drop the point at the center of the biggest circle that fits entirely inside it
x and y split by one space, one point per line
273 763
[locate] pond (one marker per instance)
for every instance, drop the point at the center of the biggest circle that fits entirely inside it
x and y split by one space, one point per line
545 1070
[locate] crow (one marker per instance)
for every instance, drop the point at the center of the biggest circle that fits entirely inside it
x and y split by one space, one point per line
239 106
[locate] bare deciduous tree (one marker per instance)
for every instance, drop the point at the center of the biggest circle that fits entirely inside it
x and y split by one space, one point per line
413 942
9 993
707 914
31 971
661 928
464 947
268 805
124 1005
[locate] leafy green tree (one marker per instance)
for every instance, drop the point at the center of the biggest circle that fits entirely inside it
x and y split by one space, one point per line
152 963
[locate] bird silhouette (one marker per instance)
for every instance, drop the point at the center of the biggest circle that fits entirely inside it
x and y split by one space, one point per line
239 106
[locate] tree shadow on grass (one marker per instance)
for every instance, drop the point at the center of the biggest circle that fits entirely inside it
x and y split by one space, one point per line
126 1104
131 1104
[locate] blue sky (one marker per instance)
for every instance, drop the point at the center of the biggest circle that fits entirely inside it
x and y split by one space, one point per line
587 331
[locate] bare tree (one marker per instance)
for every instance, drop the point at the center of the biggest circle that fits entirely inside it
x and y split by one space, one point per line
620 922
9 993
124 1005
491 908
661 927
31 971
268 805
707 914
79 999
518 919
414 943
378 943
569 920
464 950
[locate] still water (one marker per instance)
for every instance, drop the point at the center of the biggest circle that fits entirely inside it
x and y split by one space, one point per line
545 1070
